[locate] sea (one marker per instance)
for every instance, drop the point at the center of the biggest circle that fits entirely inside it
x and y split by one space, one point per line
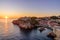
9 31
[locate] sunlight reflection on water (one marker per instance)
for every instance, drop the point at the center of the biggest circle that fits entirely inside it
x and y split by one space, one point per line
7 29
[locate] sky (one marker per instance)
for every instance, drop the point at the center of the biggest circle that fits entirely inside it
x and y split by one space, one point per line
20 8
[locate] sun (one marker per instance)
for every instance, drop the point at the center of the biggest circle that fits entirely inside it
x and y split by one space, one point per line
6 16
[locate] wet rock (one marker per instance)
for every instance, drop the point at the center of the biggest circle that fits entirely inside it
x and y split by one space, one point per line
41 29
52 35
15 22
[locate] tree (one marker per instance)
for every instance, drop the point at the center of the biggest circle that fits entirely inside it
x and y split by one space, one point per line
54 17
34 21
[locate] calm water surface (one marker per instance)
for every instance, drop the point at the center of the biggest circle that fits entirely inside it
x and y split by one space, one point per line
8 31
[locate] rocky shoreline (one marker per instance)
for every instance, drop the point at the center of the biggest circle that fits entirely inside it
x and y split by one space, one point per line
29 23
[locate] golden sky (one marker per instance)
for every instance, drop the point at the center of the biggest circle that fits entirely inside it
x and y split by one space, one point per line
20 8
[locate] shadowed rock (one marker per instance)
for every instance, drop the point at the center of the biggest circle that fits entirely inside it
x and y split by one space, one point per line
41 29
52 35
